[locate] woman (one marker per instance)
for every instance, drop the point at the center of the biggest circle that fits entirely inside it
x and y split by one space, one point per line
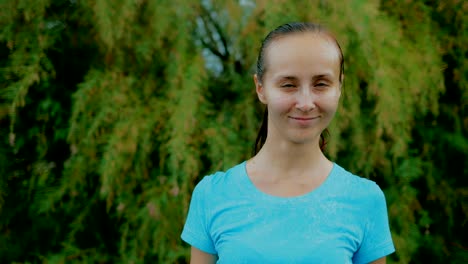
289 203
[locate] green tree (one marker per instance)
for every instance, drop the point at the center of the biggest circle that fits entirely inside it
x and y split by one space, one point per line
112 111
441 139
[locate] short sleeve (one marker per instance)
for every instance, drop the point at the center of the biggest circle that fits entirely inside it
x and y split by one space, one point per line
377 241
196 231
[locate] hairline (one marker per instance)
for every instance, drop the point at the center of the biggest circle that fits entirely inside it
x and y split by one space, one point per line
319 32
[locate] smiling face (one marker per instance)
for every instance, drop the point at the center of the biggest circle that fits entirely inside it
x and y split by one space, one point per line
301 86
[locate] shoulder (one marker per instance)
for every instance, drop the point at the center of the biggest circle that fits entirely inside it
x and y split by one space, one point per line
221 180
358 187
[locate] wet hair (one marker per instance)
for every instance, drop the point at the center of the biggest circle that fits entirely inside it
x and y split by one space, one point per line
281 31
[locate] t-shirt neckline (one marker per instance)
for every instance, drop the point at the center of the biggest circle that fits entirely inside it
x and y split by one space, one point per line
257 193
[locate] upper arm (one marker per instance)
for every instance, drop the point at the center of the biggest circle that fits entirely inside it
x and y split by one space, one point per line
196 230
377 240
200 257
380 261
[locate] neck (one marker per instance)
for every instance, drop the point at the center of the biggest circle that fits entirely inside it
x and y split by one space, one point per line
287 158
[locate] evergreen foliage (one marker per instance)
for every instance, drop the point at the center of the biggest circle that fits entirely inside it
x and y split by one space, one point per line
112 110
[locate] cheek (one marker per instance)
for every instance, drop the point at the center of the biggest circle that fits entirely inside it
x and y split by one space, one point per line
329 102
280 103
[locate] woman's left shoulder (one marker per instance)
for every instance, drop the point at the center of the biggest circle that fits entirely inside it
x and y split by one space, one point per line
357 184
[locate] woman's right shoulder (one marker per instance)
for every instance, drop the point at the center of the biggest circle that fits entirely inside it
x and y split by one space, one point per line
219 180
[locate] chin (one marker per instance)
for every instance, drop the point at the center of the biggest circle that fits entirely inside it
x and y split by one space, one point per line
304 136
304 140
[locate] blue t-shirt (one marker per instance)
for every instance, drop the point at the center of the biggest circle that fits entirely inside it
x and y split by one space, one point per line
344 220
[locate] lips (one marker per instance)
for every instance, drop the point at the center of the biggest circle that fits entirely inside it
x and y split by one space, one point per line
303 118
303 121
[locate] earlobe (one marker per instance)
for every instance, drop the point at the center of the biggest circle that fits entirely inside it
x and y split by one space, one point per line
259 89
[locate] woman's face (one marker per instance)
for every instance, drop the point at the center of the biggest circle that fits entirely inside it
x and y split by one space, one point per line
301 86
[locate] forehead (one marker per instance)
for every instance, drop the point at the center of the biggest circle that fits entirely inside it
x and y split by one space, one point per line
303 53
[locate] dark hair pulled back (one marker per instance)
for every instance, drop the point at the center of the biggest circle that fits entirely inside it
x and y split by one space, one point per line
281 31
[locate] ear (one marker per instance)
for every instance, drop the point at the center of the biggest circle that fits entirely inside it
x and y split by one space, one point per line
260 90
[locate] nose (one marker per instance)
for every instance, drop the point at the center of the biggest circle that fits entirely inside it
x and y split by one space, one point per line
305 100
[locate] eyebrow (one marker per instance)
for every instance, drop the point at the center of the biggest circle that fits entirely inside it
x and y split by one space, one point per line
293 78
287 77
320 76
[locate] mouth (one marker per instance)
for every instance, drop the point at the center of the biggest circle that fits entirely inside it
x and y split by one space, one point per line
303 121
303 118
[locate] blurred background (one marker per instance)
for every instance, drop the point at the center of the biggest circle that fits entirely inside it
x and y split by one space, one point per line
112 110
